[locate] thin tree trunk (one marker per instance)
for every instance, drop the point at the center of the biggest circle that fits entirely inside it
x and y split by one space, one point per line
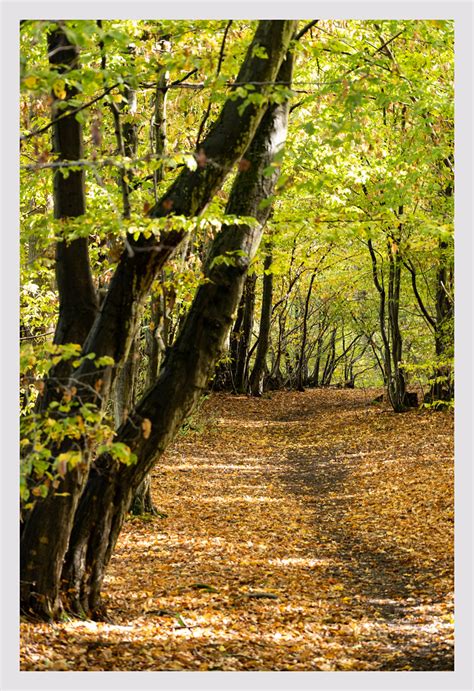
396 387
330 360
317 363
258 372
157 340
241 378
387 366
127 142
142 501
300 382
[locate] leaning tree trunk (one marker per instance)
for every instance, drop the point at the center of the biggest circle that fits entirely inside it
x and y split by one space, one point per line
183 377
45 539
258 372
189 194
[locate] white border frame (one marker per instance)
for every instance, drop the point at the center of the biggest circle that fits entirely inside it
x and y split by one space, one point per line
12 12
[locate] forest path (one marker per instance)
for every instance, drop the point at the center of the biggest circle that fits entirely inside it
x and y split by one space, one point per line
303 531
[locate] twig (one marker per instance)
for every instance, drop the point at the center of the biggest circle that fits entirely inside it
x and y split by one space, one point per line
28 338
69 114
219 65
387 42
305 29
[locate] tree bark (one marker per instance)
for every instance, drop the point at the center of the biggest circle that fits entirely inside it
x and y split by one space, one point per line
396 383
142 501
127 142
442 388
183 377
78 303
258 372
245 335
330 360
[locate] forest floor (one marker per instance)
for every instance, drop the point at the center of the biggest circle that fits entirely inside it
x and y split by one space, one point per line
303 531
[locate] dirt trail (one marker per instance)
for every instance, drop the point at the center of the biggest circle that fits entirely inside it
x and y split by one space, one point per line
307 531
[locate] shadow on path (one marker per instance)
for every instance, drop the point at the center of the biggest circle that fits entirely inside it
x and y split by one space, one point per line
375 572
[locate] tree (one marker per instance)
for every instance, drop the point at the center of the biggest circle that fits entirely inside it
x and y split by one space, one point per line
189 365
259 368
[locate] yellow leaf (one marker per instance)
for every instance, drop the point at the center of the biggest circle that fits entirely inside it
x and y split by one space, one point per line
30 82
58 89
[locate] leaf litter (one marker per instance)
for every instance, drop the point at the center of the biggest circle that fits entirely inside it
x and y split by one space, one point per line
299 531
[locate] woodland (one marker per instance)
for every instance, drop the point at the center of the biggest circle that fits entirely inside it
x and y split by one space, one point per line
236 345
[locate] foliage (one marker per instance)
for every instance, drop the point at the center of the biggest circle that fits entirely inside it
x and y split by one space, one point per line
42 432
370 133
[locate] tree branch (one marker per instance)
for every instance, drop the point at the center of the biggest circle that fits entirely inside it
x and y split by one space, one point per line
69 114
305 29
219 65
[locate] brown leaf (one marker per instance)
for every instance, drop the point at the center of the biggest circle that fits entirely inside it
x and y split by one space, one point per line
146 428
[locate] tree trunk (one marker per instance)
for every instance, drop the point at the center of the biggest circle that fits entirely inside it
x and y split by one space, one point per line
258 372
276 376
240 376
127 142
302 360
42 544
78 303
112 334
317 360
442 384
442 388
387 355
125 385
157 340
183 377
396 383
142 502
330 359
